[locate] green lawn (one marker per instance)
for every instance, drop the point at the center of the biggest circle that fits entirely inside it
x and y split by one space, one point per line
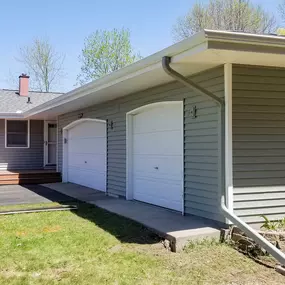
91 246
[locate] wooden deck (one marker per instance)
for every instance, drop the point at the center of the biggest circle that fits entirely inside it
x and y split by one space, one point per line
34 176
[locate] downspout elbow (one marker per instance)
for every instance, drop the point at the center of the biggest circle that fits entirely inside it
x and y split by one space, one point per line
166 65
166 60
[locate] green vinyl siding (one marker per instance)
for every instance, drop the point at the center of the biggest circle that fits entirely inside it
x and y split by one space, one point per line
259 142
201 139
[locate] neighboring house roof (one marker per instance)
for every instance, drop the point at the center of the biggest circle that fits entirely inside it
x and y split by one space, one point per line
12 102
205 50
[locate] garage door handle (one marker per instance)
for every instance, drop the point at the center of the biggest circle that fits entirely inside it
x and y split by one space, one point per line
156 167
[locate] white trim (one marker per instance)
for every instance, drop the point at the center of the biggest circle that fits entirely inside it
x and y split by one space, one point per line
64 171
57 137
245 38
129 146
65 146
129 153
228 137
28 138
79 121
183 155
44 146
46 139
151 105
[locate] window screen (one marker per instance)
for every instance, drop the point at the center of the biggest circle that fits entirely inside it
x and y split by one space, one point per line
17 133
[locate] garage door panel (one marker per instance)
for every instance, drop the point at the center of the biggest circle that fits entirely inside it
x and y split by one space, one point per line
87 177
87 145
162 180
86 162
157 156
86 129
159 143
148 163
170 199
164 121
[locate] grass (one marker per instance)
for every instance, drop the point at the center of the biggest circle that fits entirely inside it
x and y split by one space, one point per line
92 246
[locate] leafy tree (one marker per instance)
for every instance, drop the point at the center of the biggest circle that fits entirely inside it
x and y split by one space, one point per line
232 15
281 32
105 52
43 64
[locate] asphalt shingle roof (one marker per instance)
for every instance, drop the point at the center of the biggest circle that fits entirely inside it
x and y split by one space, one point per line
12 102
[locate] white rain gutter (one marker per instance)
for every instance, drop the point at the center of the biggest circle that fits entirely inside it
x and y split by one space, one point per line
227 210
246 38
176 51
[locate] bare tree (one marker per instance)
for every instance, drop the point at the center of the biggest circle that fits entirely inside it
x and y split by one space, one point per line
281 8
43 64
232 15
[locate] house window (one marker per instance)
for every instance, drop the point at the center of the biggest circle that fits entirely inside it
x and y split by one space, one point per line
17 133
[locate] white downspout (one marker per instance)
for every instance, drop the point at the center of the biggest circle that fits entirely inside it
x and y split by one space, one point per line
227 197
250 232
228 139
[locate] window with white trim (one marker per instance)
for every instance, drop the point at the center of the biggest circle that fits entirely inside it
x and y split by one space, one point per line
17 133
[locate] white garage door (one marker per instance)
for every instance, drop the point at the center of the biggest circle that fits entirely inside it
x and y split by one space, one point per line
157 166
86 163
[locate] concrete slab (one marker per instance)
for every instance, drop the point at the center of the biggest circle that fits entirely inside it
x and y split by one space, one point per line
168 224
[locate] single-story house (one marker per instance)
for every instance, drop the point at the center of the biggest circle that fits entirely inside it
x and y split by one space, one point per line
24 144
198 121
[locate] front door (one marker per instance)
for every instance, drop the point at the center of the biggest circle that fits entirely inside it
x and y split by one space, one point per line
50 137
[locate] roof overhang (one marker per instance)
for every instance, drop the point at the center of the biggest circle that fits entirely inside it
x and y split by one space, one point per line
200 52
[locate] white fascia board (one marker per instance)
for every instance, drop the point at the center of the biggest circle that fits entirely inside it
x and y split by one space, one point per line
245 38
143 66
84 92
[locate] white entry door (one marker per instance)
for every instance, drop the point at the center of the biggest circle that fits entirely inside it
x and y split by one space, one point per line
157 155
50 142
86 154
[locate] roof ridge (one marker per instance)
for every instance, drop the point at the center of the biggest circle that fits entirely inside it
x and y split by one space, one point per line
31 91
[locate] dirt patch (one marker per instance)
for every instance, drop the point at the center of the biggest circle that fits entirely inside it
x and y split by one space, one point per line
52 229
249 247
21 234
11 273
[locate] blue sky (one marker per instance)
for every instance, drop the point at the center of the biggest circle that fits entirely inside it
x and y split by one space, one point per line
68 23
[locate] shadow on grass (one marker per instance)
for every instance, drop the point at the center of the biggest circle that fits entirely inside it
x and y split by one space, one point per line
122 228
125 230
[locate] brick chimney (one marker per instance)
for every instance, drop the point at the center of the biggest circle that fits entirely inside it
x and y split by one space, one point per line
24 85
